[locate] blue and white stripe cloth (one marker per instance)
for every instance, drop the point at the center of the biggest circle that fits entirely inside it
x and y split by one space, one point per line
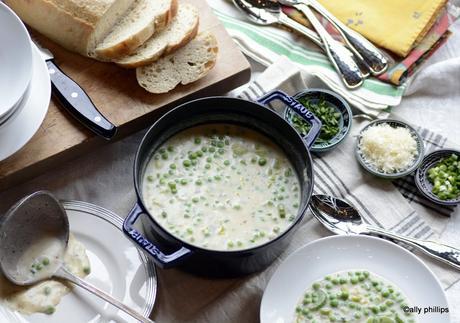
395 205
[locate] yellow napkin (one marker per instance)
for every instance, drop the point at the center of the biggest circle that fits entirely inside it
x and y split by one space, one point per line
397 25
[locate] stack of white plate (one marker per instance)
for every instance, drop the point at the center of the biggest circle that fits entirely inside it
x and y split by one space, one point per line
25 87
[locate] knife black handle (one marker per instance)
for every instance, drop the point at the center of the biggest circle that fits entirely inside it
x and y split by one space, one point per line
77 102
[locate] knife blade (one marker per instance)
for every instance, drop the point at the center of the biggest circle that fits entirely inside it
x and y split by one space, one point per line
74 99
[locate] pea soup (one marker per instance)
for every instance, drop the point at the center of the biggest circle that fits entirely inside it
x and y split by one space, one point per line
353 296
221 187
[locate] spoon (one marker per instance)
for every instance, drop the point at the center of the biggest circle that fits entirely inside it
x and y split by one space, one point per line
37 228
341 218
266 12
363 49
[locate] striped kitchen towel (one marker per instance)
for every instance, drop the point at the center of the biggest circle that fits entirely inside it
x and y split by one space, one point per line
266 44
396 205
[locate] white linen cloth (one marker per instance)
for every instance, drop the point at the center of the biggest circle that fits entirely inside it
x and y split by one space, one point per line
104 177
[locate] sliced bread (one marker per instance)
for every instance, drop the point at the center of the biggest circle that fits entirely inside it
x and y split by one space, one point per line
180 32
187 65
78 25
143 19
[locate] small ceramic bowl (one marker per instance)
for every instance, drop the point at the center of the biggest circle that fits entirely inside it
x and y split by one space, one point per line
371 169
15 60
338 103
421 176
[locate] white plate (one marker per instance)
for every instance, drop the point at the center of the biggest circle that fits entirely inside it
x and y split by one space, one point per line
337 253
25 122
15 59
116 267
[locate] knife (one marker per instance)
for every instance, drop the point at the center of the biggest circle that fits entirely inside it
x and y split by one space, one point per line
74 99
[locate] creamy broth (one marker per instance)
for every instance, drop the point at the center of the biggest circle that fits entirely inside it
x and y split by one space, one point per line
41 259
46 295
221 187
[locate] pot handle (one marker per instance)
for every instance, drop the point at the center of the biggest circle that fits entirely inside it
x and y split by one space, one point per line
162 259
307 115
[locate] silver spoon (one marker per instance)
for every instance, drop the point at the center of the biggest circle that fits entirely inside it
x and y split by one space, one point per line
359 45
266 12
36 228
341 218
363 49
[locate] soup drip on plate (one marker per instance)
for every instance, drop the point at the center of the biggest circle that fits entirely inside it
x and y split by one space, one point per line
221 187
44 296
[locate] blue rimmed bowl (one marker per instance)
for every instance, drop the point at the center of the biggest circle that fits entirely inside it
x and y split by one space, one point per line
335 101
421 176
395 124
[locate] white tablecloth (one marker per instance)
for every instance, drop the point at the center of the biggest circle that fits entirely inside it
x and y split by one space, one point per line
104 177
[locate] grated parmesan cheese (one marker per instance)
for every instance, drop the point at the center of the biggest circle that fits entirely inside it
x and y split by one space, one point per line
388 149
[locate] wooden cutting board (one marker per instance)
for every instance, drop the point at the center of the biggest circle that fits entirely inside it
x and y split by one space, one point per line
117 95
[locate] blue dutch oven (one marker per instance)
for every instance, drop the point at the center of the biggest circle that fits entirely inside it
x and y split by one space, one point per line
168 250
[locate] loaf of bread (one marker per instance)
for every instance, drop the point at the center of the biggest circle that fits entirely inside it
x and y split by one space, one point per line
180 32
78 25
144 18
185 66
142 34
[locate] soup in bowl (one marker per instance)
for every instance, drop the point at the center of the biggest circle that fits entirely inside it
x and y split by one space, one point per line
222 183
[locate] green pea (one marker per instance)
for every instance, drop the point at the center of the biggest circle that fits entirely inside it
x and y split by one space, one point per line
334 303
344 295
195 200
197 140
47 290
45 261
50 310
262 161
187 163
164 156
207 166
226 162
221 151
87 270
164 214
183 181
198 182
172 166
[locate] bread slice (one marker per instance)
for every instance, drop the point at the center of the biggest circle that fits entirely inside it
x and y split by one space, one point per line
143 19
180 32
78 25
188 64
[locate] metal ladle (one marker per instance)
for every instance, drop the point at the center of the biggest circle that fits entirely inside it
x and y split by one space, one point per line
25 225
342 218
267 12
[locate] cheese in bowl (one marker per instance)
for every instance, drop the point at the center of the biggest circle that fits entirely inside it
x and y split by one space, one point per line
221 187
